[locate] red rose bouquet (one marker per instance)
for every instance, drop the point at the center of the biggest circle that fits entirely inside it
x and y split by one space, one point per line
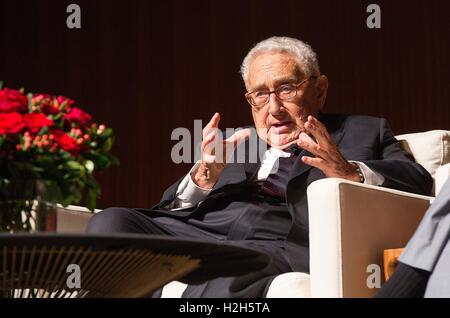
49 149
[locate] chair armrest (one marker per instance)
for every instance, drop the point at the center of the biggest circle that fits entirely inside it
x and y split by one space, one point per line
441 175
72 219
351 224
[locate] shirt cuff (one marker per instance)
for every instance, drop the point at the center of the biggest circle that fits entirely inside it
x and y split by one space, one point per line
188 193
370 177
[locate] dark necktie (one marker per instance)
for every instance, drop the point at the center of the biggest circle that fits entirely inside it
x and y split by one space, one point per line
276 183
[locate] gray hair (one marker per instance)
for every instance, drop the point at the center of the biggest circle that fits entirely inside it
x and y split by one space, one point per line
307 57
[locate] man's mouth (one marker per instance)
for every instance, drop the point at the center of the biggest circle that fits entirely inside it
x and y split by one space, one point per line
282 127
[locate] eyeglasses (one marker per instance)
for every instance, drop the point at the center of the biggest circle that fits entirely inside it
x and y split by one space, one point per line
285 93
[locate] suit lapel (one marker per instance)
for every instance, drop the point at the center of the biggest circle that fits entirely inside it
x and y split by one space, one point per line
232 174
299 167
334 128
239 172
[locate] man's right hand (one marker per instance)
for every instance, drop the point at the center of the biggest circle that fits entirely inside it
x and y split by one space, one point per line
212 164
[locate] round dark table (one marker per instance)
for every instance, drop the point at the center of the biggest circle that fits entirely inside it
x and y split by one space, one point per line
114 265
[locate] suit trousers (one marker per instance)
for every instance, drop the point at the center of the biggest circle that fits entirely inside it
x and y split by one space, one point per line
255 224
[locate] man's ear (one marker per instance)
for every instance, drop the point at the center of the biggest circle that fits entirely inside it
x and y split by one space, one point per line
321 89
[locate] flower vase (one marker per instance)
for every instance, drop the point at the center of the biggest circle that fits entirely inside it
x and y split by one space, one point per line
28 215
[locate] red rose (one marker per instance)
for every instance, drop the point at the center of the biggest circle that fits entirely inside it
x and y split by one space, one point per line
66 142
12 101
11 123
35 122
46 104
78 116
64 100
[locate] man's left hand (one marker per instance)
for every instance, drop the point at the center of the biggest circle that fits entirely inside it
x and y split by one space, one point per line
328 157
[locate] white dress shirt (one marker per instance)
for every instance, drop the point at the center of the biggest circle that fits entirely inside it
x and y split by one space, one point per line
189 194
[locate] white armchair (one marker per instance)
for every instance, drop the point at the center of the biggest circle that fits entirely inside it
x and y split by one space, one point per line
350 226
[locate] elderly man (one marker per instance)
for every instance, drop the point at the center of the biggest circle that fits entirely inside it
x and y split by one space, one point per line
263 204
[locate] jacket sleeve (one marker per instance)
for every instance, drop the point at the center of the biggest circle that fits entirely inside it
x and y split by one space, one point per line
183 194
398 168
169 195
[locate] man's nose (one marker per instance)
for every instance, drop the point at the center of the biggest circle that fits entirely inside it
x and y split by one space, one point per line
274 104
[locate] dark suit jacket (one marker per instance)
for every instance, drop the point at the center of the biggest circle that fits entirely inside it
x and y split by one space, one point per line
359 138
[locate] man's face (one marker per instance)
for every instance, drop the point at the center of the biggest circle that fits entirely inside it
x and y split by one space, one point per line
280 123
